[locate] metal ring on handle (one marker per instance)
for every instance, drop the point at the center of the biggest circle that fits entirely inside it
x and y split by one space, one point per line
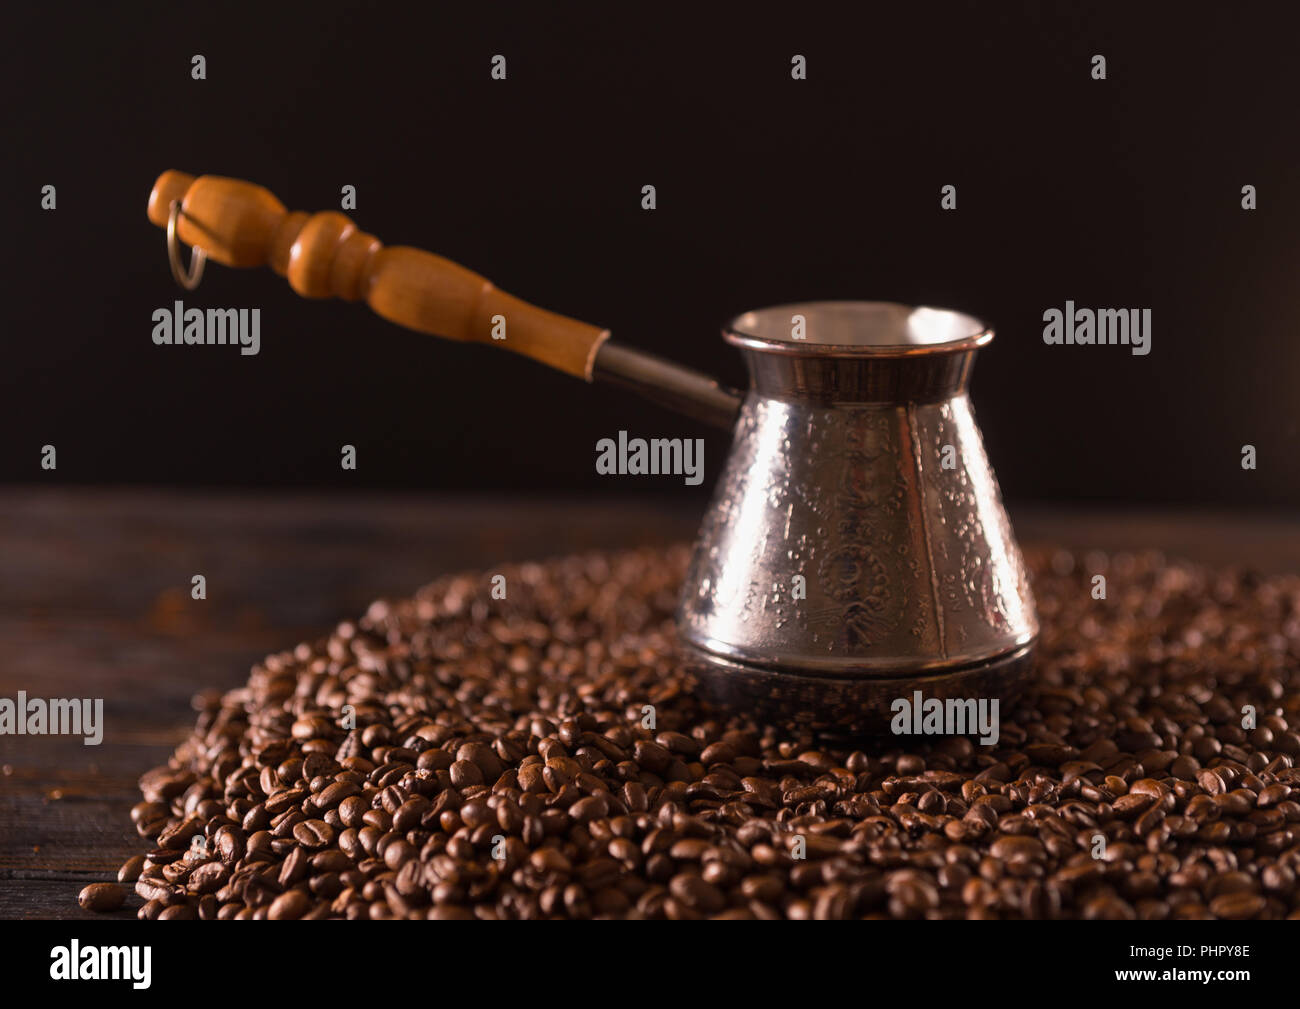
198 257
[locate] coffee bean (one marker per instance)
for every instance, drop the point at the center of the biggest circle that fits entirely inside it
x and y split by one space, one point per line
1238 906
101 897
695 893
593 807
331 795
398 853
652 756
465 774
291 904
180 835
207 878
1108 909
484 758
1279 878
130 870
549 860
284 799
159 890
1131 806
481 718
313 833
311 728
1014 848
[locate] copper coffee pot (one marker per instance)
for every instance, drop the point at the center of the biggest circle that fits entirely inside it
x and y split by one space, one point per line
856 549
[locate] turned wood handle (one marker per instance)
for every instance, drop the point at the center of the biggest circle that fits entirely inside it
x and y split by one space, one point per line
324 255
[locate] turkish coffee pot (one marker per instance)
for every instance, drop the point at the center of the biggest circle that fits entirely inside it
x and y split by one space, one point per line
856 550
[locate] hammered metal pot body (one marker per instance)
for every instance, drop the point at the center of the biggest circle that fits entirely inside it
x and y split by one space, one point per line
857 534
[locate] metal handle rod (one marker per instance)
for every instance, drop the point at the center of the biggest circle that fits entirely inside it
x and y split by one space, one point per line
682 389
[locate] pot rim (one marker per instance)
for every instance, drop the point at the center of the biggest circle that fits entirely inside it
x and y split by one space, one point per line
741 330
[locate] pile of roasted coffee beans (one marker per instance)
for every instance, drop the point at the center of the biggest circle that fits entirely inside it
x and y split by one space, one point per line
458 756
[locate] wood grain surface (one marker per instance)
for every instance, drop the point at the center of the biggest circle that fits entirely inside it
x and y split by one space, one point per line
324 255
95 602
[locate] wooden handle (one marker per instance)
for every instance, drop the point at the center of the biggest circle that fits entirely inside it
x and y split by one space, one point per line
324 255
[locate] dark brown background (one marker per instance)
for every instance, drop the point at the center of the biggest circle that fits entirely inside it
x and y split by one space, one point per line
1118 193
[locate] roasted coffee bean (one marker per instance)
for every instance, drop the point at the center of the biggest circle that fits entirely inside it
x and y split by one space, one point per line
101 897
465 774
695 893
1013 848
159 890
331 795
180 835
207 878
284 800
399 852
501 769
313 833
352 810
1237 906
291 904
593 807
131 869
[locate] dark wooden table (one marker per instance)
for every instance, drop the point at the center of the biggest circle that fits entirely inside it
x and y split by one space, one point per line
95 602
